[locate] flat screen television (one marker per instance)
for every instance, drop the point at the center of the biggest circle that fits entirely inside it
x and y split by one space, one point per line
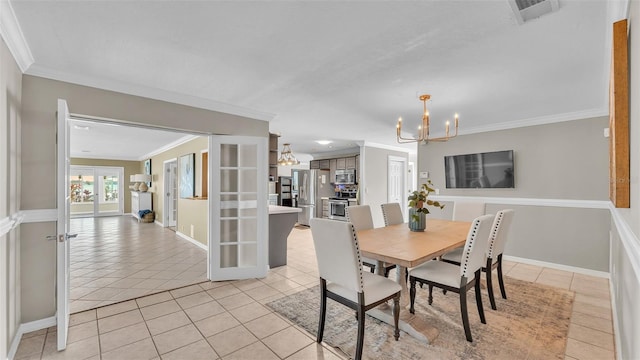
482 170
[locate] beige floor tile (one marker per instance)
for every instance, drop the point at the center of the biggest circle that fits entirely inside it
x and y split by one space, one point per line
157 310
223 291
208 285
204 311
266 325
199 350
79 292
287 341
129 294
125 283
592 310
284 284
256 350
119 321
249 312
235 301
34 333
82 331
30 346
188 290
192 300
231 340
216 324
167 322
82 317
314 351
116 308
124 336
261 292
154 299
245 285
83 305
82 349
592 300
304 279
583 351
593 322
591 336
143 349
176 338
149 284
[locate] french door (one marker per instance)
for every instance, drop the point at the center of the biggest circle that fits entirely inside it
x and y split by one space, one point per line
96 190
238 207
171 193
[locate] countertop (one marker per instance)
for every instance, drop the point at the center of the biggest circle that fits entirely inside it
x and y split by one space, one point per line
276 209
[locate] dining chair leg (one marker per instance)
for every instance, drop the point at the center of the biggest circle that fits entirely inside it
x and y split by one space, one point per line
500 281
489 273
479 297
323 309
430 294
465 314
396 316
360 341
412 294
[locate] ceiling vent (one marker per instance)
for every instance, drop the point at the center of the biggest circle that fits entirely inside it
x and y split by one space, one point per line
525 10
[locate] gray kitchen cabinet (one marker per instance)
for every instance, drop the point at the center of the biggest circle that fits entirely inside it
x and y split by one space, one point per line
315 164
324 164
332 170
325 208
350 163
341 163
357 159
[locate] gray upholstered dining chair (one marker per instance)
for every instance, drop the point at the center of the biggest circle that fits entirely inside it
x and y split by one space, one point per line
457 278
342 278
360 217
392 214
467 210
495 249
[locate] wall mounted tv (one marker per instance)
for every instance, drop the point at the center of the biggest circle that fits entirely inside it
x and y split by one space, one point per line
482 170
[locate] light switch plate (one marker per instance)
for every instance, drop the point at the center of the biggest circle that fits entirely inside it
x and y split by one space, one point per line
424 174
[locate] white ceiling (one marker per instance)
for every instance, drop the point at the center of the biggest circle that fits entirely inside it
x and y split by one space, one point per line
338 70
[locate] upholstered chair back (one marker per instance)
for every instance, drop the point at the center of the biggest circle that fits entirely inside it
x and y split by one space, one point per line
360 217
499 232
467 210
337 253
473 254
392 214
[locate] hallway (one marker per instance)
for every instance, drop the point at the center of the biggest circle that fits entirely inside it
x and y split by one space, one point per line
116 258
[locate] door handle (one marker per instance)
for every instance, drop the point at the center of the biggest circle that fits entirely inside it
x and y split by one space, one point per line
61 238
51 237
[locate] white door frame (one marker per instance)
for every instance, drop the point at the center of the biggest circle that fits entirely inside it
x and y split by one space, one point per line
167 208
403 182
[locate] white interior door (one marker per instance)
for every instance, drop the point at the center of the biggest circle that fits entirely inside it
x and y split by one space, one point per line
396 180
238 232
62 229
171 193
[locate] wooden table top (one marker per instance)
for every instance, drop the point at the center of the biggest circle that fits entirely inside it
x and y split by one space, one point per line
398 245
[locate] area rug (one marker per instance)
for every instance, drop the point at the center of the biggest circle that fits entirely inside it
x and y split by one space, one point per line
531 324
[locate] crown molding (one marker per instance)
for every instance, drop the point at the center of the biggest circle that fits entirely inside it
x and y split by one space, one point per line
384 146
183 140
542 120
13 36
148 92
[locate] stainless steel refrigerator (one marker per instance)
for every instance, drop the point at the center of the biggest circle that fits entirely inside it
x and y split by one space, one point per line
313 185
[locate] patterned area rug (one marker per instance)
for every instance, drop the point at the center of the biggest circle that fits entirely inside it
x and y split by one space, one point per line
531 324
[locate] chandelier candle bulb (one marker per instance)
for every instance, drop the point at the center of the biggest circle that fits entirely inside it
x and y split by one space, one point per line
446 127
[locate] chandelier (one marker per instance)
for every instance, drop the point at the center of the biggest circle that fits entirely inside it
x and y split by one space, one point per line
423 130
286 156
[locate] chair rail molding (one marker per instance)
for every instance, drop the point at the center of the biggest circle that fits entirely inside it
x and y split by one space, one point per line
40 215
9 223
567 203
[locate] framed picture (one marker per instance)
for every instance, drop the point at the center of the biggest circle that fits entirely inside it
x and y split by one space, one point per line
147 169
187 175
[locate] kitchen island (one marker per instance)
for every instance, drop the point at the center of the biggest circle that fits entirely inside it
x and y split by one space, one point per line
281 221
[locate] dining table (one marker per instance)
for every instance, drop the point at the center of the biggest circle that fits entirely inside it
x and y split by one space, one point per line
397 244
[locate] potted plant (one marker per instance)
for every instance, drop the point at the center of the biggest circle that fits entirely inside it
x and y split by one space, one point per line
418 203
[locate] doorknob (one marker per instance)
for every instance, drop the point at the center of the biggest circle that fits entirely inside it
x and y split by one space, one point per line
51 237
61 238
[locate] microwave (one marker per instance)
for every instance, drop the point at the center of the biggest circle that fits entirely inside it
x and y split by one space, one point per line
345 177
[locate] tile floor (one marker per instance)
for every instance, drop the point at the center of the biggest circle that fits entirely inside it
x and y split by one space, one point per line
116 258
228 320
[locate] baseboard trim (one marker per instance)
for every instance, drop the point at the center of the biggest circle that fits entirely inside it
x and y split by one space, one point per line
158 223
27 328
575 269
192 240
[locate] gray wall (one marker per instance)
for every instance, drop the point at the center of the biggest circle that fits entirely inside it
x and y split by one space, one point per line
38 161
374 185
10 117
566 161
625 234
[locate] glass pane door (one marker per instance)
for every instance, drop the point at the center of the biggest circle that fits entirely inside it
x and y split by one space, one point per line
238 201
108 192
96 191
82 181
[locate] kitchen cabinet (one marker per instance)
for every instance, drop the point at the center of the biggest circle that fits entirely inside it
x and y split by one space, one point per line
350 163
341 163
283 188
357 158
324 164
273 157
315 164
325 208
332 170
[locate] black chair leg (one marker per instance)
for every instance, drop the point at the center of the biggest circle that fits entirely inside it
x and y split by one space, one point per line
479 297
489 271
430 294
323 310
465 314
360 341
412 294
396 315
500 281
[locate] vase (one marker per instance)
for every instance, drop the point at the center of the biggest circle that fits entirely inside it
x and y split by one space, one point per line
418 225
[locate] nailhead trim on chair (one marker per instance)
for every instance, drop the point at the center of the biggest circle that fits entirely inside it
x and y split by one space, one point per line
384 215
494 233
476 224
355 240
